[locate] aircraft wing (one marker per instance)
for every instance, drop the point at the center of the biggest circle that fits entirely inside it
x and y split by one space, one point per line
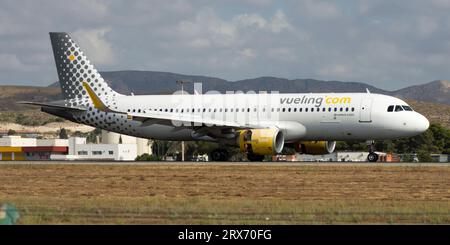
187 120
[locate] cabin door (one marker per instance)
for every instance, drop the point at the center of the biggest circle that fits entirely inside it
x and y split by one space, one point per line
365 110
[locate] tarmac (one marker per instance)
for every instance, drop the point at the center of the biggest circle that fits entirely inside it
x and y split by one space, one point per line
383 164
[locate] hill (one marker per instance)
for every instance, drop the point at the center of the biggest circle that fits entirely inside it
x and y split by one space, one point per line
153 82
436 113
437 91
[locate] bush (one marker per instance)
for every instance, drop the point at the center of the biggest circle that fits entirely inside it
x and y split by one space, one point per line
148 157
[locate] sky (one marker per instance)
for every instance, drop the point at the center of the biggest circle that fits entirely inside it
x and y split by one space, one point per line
385 43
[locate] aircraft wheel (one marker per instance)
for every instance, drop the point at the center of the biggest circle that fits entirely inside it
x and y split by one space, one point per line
219 155
255 158
372 157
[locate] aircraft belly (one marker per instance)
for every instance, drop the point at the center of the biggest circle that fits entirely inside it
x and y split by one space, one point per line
165 132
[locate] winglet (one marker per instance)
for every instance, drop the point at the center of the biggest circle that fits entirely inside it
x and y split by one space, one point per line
98 103
367 90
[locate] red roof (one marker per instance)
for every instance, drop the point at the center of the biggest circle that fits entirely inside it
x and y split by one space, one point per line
63 149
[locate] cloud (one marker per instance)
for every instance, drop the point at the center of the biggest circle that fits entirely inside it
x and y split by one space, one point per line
319 9
388 43
9 62
95 46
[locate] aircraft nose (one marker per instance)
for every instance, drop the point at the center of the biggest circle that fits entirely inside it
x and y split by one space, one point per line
421 123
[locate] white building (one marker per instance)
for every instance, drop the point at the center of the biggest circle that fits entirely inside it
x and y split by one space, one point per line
143 145
79 150
17 141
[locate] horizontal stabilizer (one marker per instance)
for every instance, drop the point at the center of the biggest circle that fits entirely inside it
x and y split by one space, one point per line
56 104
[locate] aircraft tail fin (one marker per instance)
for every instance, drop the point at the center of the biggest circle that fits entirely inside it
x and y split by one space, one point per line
74 68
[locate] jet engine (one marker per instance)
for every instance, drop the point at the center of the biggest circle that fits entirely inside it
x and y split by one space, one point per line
315 147
268 141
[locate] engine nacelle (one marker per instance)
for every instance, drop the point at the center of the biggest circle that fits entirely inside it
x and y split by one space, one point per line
315 147
268 141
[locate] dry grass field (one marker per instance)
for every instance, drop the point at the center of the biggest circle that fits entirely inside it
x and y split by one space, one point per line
227 194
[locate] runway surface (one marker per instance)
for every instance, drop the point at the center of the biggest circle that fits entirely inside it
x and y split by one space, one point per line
397 164
227 192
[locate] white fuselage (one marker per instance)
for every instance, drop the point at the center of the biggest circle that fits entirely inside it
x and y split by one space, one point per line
311 116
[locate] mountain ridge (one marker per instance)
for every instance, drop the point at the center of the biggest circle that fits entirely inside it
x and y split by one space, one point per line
158 82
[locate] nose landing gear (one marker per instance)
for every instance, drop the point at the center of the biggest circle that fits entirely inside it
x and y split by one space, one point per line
372 157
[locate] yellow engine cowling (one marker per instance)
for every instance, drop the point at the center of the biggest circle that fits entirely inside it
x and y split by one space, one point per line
268 141
315 147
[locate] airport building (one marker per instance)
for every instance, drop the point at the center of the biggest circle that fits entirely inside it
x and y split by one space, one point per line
80 150
18 148
113 147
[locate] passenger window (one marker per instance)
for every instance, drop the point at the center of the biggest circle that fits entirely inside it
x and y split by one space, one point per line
323 109
284 109
335 109
353 109
306 109
341 109
295 109
398 108
300 110
390 108
407 108
346 109
329 109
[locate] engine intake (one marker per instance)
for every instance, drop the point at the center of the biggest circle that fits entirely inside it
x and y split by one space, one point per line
268 141
315 147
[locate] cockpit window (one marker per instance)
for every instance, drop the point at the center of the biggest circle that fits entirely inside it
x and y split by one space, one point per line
407 108
390 108
398 108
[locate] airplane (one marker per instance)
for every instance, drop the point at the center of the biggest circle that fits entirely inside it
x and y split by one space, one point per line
259 124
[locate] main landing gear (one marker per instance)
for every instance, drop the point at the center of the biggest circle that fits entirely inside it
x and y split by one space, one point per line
255 158
219 155
372 157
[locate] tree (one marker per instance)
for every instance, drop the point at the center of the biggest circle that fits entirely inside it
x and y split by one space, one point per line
12 132
424 156
63 133
92 136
